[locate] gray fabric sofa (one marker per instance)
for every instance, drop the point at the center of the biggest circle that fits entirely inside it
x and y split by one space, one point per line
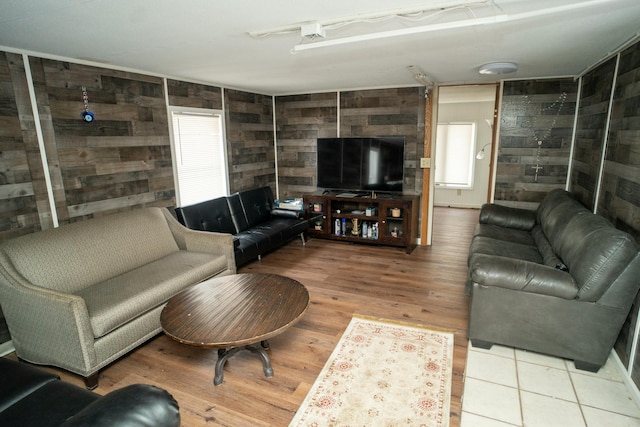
559 280
81 295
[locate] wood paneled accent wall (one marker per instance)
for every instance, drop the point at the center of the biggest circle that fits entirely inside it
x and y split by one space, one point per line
530 113
250 150
24 204
619 199
194 95
122 160
389 112
591 131
301 119
619 191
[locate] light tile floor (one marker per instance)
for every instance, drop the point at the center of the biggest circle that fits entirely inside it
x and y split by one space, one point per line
506 387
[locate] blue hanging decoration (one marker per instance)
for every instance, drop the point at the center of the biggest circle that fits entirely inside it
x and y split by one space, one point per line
87 115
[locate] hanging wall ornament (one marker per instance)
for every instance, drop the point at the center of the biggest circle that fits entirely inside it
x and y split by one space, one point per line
556 107
87 115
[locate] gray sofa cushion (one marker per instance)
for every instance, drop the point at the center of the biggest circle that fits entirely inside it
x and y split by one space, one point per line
117 301
75 256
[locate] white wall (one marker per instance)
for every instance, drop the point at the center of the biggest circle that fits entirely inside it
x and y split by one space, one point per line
468 112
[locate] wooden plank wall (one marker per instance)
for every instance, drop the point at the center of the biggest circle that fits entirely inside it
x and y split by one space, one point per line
530 112
590 132
301 119
619 199
24 204
122 160
389 112
250 150
194 95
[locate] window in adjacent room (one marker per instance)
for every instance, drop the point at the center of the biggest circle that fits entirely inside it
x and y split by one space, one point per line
200 155
455 145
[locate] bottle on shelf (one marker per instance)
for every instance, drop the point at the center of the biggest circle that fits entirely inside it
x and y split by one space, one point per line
344 226
365 229
338 227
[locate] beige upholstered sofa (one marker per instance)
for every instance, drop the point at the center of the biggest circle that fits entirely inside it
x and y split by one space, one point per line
80 296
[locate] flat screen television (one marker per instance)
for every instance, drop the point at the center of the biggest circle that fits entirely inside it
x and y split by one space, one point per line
362 164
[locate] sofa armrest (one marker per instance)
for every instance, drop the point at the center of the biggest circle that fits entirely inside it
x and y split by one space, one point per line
59 334
515 274
202 241
505 216
137 405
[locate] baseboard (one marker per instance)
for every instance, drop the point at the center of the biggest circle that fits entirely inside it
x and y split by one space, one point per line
631 386
6 348
457 205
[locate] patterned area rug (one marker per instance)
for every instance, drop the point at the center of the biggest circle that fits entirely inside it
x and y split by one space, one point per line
383 373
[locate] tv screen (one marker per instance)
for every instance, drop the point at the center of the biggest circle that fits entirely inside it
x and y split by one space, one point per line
366 164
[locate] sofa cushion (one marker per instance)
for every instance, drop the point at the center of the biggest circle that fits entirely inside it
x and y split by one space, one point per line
595 253
257 204
237 213
74 256
505 216
544 247
503 233
488 246
116 301
210 215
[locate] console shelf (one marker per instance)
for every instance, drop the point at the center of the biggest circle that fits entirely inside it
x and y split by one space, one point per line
379 220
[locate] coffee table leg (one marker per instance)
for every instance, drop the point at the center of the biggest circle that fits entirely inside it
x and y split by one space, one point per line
266 362
224 354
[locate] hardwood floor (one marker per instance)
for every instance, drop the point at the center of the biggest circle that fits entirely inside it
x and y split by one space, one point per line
425 287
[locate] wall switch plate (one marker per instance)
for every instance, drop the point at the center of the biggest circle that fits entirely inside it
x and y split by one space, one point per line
425 162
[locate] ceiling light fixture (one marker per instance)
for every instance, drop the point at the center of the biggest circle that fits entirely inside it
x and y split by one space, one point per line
498 68
440 27
402 32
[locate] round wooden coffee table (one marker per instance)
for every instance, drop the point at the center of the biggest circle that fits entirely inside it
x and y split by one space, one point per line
232 313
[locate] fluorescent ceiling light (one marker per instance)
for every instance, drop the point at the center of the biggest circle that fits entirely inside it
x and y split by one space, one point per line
498 68
402 32
449 25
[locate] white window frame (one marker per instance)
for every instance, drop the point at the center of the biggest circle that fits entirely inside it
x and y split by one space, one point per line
450 150
186 197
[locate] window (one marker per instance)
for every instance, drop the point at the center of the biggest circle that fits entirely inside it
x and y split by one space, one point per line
455 145
200 155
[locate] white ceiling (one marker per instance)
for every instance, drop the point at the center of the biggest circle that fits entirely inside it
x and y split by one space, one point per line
209 41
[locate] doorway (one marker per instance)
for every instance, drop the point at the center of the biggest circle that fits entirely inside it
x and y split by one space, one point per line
464 145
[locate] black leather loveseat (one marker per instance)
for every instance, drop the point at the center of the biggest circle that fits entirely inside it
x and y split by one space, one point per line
31 397
559 280
250 216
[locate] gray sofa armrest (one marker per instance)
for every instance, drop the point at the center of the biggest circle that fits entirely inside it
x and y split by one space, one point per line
505 216
61 328
515 274
203 241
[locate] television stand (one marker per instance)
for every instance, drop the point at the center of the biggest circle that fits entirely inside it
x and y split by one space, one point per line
388 220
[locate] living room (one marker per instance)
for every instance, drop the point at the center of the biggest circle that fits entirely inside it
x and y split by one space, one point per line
124 160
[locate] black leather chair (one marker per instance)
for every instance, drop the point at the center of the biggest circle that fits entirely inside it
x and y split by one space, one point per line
32 397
